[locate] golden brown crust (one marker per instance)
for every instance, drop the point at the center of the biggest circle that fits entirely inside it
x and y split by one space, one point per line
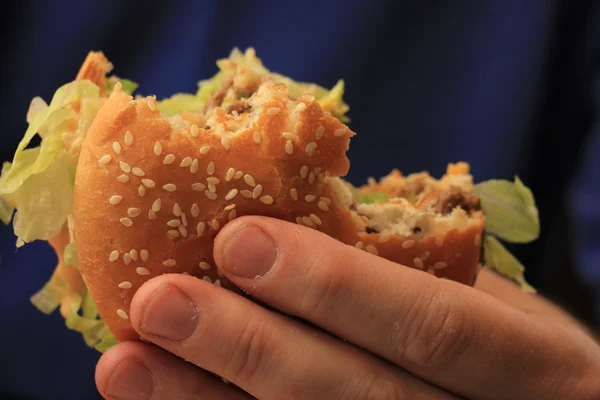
295 182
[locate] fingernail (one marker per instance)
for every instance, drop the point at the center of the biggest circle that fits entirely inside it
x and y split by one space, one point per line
131 380
170 314
249 253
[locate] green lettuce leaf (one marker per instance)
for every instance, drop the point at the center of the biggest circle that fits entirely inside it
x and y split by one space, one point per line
181 102
128 86
510 210
500 259
207 87
71 256
48 298
367 198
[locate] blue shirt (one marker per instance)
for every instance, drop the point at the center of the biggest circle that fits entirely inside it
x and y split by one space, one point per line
511 87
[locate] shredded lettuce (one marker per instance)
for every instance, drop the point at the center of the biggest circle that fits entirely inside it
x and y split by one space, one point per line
48 299
207 87
501 260
6 202
83 318
371 197
71 256
510 210
179 103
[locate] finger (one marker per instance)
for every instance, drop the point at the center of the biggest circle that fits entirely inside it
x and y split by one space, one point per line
266 354
138 371
449 334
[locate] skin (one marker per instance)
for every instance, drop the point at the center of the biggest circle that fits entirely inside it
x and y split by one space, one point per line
340 323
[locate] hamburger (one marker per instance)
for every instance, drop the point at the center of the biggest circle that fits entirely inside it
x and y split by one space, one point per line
125 187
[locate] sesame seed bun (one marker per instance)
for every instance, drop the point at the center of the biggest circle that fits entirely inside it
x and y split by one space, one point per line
153 203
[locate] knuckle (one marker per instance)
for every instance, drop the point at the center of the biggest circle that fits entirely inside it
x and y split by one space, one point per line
437 333
250 354
378 386
323 288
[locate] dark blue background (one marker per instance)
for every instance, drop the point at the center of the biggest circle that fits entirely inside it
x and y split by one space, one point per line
509 86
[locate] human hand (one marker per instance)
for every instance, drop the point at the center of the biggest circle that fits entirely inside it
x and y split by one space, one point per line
352 326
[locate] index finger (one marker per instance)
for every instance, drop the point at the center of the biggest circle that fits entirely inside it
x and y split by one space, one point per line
447 333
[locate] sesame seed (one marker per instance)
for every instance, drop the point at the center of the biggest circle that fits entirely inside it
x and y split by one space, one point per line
194 131
384 238
142 190
238 175
299 221
173 233
230 174
311 177
372 249
340 132
200 228
138 171
169 187
289 147
116 147
184 220
408 244
144 255
226 143
300 107
231 194
229 207
246 193
124 167
266 199
125 285
307 221
319 132
134 254
327 200
257 191
215 224
183 231
359 245
186 273
213 179
121 313
211 168
290 136
212 187
176 210
249 179
311 147
157 205
309 198
195 210
204 149
133 212
232 215
477 240
315 219
127 258
169 158
128 138
298 126
218 283
114 200
323 206
174 223
273 110
142 271
204 265
440 265
425 256
303 171
207 278
294 194
418 262
126 221
123 178
170 263
211 195
198 187
439 240
157 148
256 137
152 215
114 256
186 162
151 104
194 167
